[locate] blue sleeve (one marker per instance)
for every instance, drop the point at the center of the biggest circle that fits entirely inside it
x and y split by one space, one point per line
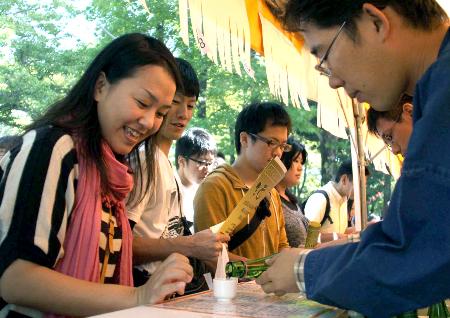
403 262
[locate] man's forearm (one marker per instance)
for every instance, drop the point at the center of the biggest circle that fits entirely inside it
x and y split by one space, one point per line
147 250
234 257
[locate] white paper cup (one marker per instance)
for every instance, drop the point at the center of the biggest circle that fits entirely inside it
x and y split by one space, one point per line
224 288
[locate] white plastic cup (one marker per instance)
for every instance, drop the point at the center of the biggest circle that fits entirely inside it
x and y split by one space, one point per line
225 288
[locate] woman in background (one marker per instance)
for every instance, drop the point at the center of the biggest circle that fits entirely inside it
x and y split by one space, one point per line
296 223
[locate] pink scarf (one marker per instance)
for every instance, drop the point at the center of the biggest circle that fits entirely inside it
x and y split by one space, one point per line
81 245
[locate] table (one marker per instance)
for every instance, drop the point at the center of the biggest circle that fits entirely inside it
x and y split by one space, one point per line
250 301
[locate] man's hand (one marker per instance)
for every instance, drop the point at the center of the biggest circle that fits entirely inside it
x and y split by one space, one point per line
328 237
350 230
206 245
170 277
280 277
332 243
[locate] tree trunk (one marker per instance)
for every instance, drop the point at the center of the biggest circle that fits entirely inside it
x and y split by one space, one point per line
201 104
232 158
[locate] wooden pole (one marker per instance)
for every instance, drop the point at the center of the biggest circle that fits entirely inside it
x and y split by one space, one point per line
359 115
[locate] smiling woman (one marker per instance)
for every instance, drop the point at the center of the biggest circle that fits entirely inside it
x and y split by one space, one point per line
69 177
131 112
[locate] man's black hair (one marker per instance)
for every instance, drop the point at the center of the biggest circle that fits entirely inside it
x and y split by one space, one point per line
394 114
195 142
255 117
76 112
346 169
420 14
220 154
191 85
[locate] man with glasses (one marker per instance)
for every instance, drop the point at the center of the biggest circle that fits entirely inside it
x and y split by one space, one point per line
322 66
195 154
393 126
387 48
261 132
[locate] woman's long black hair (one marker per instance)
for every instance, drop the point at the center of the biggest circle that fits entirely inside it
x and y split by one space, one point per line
76 113
288 157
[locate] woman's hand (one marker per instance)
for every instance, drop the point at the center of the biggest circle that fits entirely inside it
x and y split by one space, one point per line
170 277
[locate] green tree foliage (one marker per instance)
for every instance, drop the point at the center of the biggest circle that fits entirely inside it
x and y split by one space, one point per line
37 68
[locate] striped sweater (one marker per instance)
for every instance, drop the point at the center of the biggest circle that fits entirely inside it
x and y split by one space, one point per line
38 180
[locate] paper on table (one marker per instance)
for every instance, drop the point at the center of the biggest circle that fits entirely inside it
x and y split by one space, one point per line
222 262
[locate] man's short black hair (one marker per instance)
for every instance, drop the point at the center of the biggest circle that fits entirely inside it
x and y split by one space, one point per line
346 169
254 118
220 154
420 14
191 85
194 142
394 114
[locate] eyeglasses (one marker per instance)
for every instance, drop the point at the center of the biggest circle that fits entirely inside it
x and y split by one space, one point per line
387 137
272 143
323 69
201 163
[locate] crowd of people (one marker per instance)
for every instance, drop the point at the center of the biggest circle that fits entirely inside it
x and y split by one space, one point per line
91 203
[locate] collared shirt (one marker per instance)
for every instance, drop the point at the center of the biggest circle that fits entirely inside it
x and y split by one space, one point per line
299 266
316 205
299 270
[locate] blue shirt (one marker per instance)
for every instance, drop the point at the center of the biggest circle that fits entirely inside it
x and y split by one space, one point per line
402 263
